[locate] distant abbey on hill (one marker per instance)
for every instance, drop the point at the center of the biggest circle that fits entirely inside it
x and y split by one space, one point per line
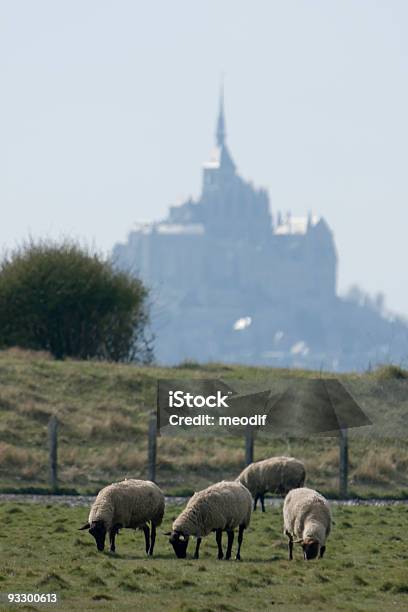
232 282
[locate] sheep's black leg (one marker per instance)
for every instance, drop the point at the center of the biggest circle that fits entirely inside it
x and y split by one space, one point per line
218 537
112 535
263 502
240 538
290 546
255 501
196 554
230 534
322 551
146 532
152 540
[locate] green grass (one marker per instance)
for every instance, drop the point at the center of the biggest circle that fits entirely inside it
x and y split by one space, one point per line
41 550
103 411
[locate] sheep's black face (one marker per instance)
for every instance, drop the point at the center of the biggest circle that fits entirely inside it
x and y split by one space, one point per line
310 549
98 531
179 543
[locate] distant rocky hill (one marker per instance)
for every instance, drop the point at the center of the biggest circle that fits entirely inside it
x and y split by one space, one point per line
231 282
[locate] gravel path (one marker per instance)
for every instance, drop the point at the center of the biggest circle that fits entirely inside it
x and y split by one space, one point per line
86 500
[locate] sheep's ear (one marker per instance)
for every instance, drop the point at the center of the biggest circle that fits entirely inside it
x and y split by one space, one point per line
86 526
166 533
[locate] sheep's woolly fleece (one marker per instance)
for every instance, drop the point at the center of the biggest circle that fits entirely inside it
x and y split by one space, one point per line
306 514
224 505
277 475
131 503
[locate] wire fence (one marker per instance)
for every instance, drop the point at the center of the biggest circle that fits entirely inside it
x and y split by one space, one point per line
153 466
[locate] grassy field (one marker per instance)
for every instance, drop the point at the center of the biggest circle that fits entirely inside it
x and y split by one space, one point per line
364 568
103 412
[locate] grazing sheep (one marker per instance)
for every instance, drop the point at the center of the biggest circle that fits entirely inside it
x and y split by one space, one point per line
127 504
221 507
306 517
276 475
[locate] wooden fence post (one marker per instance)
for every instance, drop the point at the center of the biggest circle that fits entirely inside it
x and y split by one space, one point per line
53 451
249 446
152 448
343 465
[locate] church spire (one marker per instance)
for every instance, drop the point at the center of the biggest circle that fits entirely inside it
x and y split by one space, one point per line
220 156
220 133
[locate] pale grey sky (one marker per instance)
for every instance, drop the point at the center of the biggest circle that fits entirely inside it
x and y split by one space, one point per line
108 108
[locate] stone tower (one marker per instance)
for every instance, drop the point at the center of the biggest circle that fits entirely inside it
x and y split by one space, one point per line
219 259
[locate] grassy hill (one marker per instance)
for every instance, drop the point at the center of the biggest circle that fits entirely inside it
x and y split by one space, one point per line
103 411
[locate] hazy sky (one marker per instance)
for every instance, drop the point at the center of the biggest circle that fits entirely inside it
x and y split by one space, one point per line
107 110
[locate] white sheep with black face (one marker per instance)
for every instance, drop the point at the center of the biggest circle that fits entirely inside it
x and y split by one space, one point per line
307 521
224 506
128 504
275 475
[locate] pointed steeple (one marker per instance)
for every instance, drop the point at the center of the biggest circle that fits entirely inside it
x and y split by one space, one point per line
221 159
220 133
